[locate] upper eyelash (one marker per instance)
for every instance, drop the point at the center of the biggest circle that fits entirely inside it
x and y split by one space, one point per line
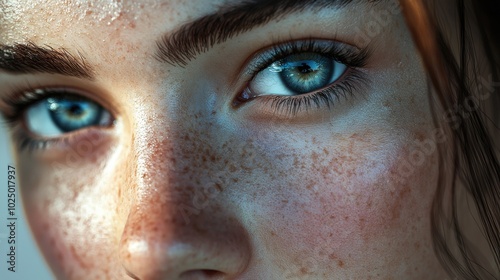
289 106
18 103
334 50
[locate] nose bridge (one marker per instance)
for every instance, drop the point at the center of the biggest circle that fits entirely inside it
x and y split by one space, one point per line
176 228
173 175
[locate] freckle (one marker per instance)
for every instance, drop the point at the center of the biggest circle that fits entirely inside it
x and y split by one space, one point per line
78 257
304 270
340 263
314 157
325 171
232 168
420 136
401 196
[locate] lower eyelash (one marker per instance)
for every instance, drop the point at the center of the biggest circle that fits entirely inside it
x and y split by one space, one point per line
30 144
290 106
23 141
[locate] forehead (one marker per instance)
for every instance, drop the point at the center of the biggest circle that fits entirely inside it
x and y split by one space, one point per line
29 20
99 10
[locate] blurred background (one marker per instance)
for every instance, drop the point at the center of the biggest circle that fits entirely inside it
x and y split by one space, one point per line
29 262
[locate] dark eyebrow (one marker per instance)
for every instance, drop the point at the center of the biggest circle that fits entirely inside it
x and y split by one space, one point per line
30 58
191 39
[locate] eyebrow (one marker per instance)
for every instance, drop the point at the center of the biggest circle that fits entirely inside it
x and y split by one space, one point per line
30 58
194 38
177 48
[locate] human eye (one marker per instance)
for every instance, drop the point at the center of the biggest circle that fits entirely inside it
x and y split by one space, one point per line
54 114
298 76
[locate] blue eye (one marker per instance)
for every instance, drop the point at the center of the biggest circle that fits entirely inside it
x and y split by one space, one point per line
297 74
54 116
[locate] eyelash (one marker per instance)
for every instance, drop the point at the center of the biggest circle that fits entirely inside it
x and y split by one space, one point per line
290 106
19 102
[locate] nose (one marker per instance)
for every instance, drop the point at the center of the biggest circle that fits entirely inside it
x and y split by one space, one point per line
168 236
162 245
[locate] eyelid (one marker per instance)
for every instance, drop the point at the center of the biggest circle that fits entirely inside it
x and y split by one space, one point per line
18 101
264 57
20 97
354 58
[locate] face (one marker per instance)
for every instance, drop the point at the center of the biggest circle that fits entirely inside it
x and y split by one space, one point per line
221 139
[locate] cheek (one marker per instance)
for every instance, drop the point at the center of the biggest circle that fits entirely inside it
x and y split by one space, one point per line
351 201
72 212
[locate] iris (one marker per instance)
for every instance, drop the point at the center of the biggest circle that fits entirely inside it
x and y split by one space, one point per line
73 114
306 72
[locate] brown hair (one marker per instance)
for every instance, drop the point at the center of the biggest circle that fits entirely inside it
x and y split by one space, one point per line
469 100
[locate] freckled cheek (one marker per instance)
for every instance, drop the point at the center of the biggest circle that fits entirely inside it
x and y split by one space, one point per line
372 197
72 216
75 233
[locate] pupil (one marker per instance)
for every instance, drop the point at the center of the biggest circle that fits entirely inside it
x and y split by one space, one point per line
304 68
75 110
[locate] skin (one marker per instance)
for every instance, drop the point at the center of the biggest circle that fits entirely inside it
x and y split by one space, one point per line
185 186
